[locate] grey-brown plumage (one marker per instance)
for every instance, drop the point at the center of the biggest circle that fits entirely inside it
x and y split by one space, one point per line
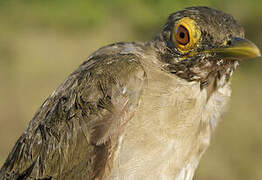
136 110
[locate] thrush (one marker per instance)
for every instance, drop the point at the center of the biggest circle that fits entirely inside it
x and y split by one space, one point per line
137 110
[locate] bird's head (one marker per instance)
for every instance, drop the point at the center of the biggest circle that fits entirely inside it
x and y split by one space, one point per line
203 44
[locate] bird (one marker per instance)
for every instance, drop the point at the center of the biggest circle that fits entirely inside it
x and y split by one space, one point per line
137 110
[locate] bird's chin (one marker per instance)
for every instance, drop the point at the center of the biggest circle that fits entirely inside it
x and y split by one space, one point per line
235 62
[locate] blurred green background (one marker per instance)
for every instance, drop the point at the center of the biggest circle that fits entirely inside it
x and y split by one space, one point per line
43 41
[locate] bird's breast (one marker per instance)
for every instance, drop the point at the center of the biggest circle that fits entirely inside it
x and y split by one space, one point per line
170 129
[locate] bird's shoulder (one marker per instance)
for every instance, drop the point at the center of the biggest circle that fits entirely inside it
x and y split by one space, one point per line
77 126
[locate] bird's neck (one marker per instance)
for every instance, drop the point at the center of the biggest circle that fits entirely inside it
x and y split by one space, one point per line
211 74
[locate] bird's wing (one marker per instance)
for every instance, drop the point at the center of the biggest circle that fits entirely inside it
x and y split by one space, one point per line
74 133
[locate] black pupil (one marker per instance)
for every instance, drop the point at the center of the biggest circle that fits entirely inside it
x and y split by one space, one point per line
182 35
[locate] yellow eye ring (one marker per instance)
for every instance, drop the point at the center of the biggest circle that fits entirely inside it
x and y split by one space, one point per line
186 34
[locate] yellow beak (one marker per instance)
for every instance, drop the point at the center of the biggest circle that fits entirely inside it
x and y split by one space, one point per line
239 49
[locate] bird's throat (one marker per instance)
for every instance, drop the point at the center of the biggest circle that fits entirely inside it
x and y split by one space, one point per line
211 75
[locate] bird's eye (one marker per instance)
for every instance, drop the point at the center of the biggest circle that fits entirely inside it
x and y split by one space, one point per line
182 35
186 35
